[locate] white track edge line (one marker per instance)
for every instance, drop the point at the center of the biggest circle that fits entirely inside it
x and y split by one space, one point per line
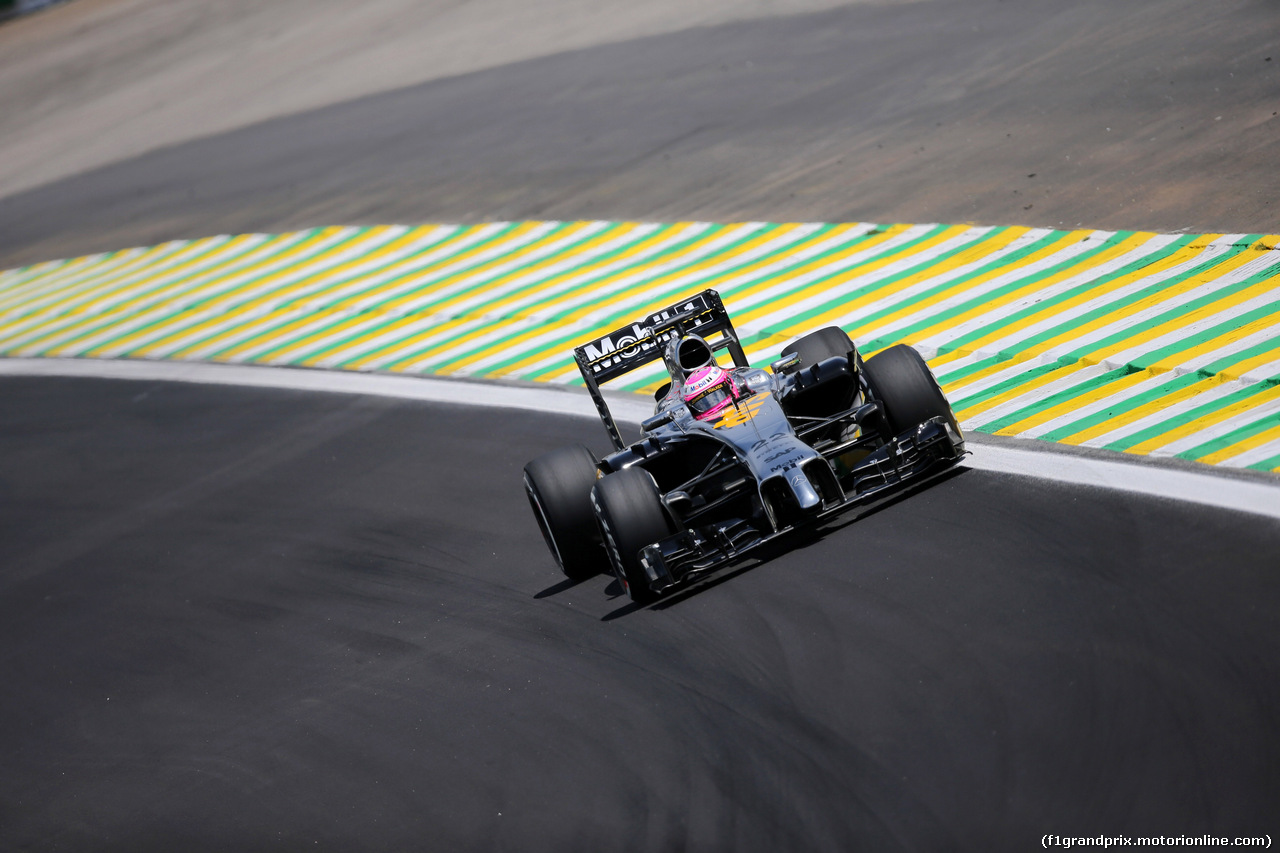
1205 488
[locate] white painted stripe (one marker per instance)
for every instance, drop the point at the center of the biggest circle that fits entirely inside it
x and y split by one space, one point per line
1113 399
532 257
1204 488
119 287
1218 430
381 265
521 281
697 275
630 296
1095 241
93 283
13 277
961 389
390 265
19 282
653 373
116 326
271 314
907 295
1191 366
1261 453
65 280
320 257
789 310
689 279
860 255
1072 378
1263 373
314 298
675 236
505 246
989 319
1113 296
67 324
462 306
416 264
1181 334
205 286
1171 412
1081 342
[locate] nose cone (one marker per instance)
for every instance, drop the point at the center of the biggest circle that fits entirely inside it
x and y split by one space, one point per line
806 495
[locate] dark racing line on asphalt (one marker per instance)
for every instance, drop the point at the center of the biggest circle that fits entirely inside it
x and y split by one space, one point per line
238 618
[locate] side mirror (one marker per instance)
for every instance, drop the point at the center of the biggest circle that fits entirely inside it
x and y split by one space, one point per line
660 419
785 363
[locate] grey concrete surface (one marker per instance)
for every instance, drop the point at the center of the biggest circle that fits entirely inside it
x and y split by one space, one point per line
247 619
103 80
1153 114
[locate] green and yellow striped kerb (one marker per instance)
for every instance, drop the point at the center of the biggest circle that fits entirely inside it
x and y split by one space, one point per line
1162 344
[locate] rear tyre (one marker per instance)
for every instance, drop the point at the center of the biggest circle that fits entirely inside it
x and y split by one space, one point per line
901 380
829 342
559 488
631 516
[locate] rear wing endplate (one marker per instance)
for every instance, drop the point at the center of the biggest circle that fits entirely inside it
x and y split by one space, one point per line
637 344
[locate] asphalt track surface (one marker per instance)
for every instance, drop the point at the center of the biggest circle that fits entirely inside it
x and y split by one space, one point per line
258 619
253 619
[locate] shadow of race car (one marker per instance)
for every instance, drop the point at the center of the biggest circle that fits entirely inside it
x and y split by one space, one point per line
821 432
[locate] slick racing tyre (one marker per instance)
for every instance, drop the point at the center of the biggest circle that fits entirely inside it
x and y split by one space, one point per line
830 342
631 516
559 488
901 380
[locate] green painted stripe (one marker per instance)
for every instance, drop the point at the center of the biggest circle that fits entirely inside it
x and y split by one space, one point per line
1049 303
1123 406
513 299
1049 401
1078 261
339 318
1198 413
552 315
1247 431
167 317
176 295
1270 464
175 323
94 321
565 296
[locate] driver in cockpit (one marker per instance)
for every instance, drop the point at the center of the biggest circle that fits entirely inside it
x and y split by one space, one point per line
702 384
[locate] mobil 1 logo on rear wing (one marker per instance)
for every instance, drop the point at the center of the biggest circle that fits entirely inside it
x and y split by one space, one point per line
637 344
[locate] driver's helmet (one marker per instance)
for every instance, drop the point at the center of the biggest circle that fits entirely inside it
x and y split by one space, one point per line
707 391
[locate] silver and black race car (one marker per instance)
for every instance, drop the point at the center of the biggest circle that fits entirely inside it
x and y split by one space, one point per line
820 432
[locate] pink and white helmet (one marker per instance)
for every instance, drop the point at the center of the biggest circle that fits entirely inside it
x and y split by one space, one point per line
707 391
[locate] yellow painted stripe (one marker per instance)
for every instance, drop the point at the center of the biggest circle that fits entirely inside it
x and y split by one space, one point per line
1205 421
1138 413
511 299
1077 330
1267 436
1076 402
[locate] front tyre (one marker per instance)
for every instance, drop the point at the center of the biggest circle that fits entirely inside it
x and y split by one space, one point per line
558 485
901 380
815 347
631 516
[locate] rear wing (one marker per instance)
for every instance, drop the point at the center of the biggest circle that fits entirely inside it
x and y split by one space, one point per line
637 344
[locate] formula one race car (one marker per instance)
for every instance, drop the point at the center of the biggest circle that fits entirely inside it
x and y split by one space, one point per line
733 458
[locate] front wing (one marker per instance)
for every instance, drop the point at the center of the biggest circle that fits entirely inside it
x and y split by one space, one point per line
931 448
